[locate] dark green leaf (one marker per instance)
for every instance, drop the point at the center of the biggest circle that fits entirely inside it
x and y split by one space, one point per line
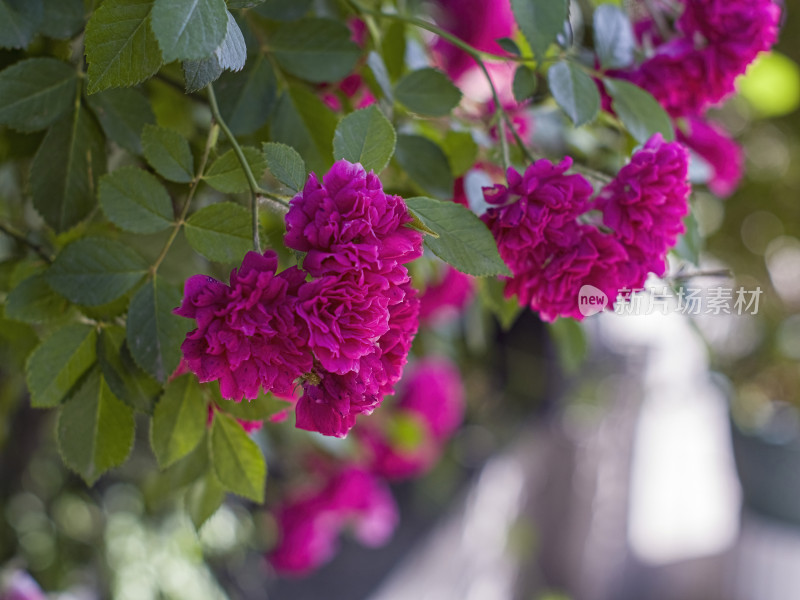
524 85
575 92
126 380
509 46
134 200
226 173
540 21
464 241
247 99
393 49
189 30
179 420
94 271
121 48
58 363
168 153
33 301
283 10
123 113
428 92
204 498
65 169
461 151
365 136
286 165
237 460
154 333
302 120
62 18
95 429
315 49
243 3
613 36
197 74
639 111
19 21
426 164
34 93
221 232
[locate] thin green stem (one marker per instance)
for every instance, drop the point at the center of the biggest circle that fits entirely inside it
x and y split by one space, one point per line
22 238
211 140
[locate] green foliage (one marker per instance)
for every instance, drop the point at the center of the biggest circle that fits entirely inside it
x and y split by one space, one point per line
461 151
230 55
464 241
426 165
639 111
58 363
226 173
365 136
95 429
540 21
524 85
220 232
34 93
123 113
259 409
179 420
134 200
428 92
34 301
281 10
575 92
204 498
613 36
127 381
62 18
168 153
236 459
286 165
246 100
188 30
571 343
19 20
505 310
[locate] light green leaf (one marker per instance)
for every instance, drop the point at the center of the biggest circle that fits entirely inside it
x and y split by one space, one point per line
230 55
570 341
365 136
65 169
93 271
204 498
642 115
123 113
524 85
236 459
33 301
189 29
613 36
464 241
62 18
316 50
575 92
121 48
461 151
286 165
259 409
393 49
127 381
57 364
247 99
95 429
540 22
427 92
426 165
226 173
168 153
134 200
19 21
35 92
381 74
154 333
179 420
221 232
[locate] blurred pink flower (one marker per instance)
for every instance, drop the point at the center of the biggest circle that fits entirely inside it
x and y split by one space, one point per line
711 143
447 297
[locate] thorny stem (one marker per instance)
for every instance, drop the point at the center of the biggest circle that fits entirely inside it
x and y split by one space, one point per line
21 238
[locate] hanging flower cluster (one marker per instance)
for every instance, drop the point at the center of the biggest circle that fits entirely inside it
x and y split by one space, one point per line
345 331
536 220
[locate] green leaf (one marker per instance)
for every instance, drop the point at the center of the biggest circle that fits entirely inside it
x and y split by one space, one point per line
19 21
381 74
365 136
427 92
570 341
393 49
509 46
33 301
243 3
226 173
168 153
464 241
613 36
65 169
58 363
121 48
127 381
236 459
316 50
230 55
505 310
286 165
34 93
575 92
524 85
179 420
461 151
639 111
204 498
540 22
123 113
154 333
62 18
426 164
94 271
197 74
95 429
221 232
135 200
281 10
189 30
302 120
247 99
260 409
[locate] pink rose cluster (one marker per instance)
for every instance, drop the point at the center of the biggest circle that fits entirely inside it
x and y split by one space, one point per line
539 222
345 331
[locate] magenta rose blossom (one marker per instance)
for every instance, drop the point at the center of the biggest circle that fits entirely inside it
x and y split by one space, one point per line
711 143
309 524
447 297
248 333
